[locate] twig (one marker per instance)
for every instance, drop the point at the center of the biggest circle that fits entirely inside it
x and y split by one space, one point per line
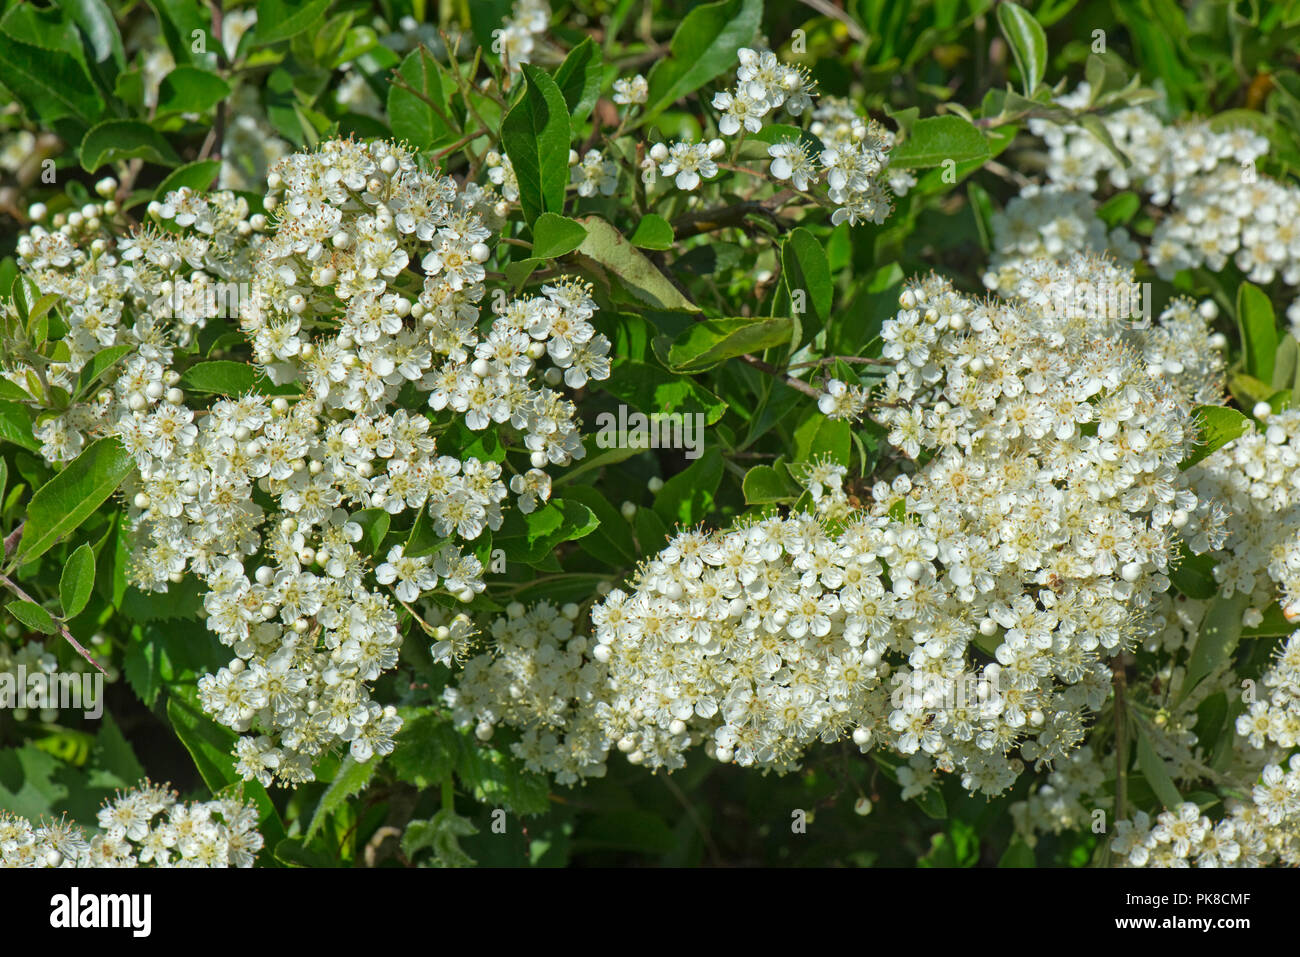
772 370
13 587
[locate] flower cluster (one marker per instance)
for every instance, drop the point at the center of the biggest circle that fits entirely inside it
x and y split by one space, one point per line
339 324
539 678
1221 210
1257 480
1053 223
146 825
517 35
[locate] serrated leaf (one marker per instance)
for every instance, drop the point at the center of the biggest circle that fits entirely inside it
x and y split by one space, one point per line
68 499
1217 640
606 247
115 140
1156 771
188 89
210 746
688 497
219 375
578 78
77 581
767 485
938 138
555 235
33 616
51 83
1218 425
531 538
351 779
425 751
281 19
806 270
411 115
536 134
652 232
707 343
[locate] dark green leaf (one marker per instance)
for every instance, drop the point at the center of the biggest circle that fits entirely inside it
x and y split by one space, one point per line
536 135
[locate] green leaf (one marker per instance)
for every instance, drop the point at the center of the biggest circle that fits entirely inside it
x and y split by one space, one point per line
1218 425
1194 575
33 616
350 780
374 524
1119 209
115 763
187 89
68 499
707 343
579 79
425 751
1258 328
1093 124
768 485
1156 771
650 389
497 779
938 138
612 541
1285 367
50 83
114 140
1217 640
1017 854
818 437
536 135
219 375
281 19
653 232
555 235
804 266
703 47
531 538
442 833
77 580
1028 43
606 247
688 497
410 115
101 362
16 425
178 19
96 22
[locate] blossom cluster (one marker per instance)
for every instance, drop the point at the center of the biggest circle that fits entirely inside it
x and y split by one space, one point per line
1039 532
338 323
1220 209
145 826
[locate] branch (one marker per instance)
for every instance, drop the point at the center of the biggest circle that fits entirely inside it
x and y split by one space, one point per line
13 587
